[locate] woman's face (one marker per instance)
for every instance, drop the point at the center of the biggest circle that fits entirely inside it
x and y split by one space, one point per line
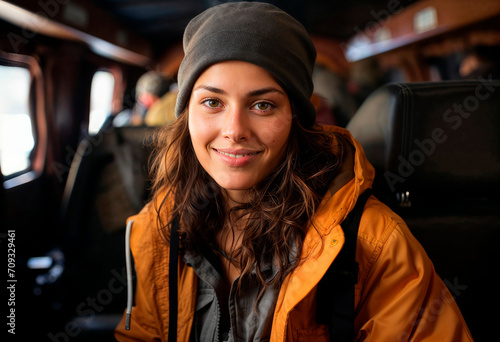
239 121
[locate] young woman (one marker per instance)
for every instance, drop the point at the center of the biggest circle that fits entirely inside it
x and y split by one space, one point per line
259 195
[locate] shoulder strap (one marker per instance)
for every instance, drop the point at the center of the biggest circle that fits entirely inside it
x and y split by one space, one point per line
335 304
172 280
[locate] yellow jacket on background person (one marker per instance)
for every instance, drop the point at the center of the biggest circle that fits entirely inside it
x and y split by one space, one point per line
399 296
162 112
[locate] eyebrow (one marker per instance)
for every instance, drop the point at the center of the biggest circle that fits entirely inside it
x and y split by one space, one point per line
257 92
209 88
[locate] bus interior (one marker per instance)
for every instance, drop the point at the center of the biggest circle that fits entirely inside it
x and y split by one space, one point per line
415 81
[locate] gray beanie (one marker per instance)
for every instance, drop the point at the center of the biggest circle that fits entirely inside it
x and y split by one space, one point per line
253 32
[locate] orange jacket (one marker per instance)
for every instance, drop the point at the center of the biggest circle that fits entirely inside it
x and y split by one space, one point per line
399 296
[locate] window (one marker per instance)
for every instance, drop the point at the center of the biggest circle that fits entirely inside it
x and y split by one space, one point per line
16 132
101 99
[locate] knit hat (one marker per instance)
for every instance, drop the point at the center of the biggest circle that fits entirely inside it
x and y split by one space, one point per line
254 32
152 82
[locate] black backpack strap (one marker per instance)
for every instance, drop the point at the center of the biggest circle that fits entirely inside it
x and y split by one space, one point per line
335 293
172 280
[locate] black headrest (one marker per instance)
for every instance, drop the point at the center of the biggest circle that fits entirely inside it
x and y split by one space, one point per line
440 138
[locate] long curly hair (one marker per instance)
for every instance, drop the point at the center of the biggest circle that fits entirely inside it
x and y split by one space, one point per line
276 214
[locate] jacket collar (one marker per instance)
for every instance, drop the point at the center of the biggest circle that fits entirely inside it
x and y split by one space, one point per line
355 176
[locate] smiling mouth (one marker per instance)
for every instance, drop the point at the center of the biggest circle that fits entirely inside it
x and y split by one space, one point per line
236 155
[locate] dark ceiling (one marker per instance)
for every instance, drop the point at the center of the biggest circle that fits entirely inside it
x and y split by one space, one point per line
162 21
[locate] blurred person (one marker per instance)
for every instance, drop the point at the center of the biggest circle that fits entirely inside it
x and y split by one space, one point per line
334 104
481 61
162 112
150 87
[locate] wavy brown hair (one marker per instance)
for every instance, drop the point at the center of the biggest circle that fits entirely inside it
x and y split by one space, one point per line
278 209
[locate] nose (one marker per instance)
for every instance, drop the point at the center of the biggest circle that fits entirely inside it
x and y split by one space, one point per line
236 126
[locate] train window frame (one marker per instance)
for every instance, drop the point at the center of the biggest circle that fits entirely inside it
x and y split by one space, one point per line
36 112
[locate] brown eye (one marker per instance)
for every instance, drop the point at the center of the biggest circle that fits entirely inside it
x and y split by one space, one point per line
212 103
263 106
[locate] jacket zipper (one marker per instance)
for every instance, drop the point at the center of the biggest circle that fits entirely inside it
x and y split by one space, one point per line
217 338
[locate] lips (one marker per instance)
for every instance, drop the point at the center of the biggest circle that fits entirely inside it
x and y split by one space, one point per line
236 158
236 154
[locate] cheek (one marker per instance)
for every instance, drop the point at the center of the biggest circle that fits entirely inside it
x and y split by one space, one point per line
196 136
202 135
277 132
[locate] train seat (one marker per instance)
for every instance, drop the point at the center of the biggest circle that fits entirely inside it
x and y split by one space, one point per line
436 150
107 182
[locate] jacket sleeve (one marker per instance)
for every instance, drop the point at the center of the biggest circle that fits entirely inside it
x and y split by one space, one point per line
402 298
143 321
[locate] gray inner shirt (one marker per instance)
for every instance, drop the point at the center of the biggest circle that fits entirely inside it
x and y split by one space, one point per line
222 314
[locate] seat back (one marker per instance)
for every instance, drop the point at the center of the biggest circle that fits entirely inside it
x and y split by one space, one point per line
107 182
436 150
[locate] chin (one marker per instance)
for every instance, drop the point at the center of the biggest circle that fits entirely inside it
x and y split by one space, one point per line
231 187
236 186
